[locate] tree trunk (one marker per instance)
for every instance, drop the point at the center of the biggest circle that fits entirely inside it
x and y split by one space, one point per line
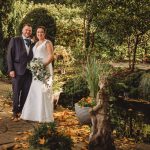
88 25
92 39
84 32
134 52
100 137
129 51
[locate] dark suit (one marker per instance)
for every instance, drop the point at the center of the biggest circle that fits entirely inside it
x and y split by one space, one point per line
17 59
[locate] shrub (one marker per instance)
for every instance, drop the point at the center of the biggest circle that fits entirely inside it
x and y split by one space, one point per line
63 56
134 85
73 90
132 79
144 86
46 136
41 17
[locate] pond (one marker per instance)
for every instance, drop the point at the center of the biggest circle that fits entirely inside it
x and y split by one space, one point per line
131 119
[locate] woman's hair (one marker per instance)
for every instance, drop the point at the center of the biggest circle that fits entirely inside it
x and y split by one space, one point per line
41 27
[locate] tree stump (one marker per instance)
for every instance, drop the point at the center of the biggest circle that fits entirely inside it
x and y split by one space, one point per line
101 137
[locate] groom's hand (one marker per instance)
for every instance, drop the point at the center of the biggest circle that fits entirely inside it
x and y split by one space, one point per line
12 74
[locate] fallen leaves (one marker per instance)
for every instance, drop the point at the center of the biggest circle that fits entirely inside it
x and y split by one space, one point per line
42 141
69 125
22 140
125 143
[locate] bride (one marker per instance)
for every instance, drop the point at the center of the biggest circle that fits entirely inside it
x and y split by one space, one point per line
39 103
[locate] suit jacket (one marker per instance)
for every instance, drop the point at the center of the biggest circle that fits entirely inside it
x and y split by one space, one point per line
17 57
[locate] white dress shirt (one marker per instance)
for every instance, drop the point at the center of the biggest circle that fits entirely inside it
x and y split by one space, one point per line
27 48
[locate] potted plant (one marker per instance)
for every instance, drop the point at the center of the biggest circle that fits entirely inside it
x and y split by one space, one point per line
92 78
82 109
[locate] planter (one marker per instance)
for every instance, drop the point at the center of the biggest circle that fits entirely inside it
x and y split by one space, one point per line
82 114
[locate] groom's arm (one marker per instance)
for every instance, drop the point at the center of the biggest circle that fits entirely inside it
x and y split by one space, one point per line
10 58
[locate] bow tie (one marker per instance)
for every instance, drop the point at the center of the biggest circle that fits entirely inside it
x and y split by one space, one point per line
28 42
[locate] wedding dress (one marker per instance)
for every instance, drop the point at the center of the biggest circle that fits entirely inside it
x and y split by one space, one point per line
39 102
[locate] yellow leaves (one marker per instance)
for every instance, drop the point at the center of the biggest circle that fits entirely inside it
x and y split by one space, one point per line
17 139
125 143
49 132
17 146
22 140
69 125
25 145
42 141
21 146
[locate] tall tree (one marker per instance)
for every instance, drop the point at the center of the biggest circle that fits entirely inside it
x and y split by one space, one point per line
123 21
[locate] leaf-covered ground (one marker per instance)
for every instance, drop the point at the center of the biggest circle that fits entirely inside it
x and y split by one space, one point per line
66 121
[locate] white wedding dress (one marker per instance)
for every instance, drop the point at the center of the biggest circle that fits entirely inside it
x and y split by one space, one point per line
39 102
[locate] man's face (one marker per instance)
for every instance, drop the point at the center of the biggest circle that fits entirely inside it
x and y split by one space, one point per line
27 31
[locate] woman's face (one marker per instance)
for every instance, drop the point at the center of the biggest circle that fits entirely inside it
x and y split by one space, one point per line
40 34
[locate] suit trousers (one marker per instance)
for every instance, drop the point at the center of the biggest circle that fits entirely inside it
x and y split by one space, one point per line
20 85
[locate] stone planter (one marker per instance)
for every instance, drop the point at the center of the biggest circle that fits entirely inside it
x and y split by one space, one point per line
82 114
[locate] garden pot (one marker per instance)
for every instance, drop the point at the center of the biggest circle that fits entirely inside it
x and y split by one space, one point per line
82 114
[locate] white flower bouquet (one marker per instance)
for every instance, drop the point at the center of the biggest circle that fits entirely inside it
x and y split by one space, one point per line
38 70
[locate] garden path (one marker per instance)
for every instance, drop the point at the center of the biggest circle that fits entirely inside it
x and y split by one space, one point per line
144 66
14 135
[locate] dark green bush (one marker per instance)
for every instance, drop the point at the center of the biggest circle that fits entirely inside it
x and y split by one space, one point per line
5 8
132 79
133 93
73 90
52 139
40 17
134 85
144 86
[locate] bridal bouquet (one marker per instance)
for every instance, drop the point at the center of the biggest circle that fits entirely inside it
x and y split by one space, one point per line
38 70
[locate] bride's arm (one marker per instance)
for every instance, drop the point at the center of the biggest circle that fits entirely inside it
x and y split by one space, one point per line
50 57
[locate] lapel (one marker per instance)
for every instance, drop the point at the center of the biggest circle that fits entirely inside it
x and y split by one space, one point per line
31 51
22 46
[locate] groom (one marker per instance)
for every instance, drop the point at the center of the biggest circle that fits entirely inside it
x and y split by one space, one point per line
19 54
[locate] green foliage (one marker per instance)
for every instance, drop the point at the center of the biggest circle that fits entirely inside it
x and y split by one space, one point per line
144 86
5 8
41 17
92 76
73 90
129 123
132 79
121 19
115 23
67 21
52 139
20 9
133 85
87 102
133 93
66 2
94 72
